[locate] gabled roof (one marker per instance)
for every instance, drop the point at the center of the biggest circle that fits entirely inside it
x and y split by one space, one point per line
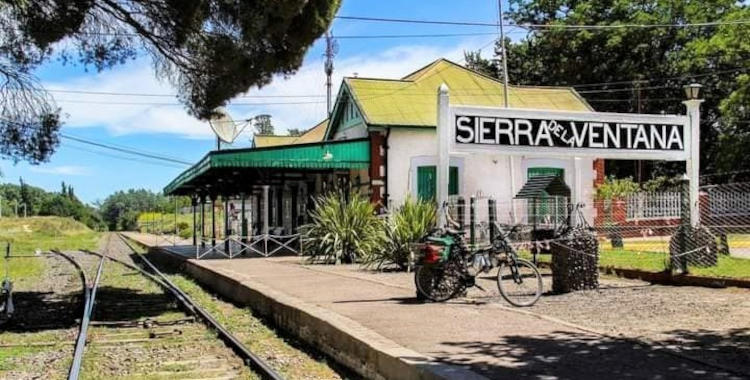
263 141
412 101
314 134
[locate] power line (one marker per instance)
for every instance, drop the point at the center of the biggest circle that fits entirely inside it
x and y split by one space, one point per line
542 26
428 35
129 148
124 150
178 104
113 93
130 159
718 72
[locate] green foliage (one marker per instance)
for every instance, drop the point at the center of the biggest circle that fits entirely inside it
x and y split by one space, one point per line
211 50
43 203
120 211
662 183
406 225
614 188
341 230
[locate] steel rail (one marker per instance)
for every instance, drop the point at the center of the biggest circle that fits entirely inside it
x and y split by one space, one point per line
75 367
248 357
81 338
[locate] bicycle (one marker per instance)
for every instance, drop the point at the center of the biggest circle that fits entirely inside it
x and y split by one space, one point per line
445 269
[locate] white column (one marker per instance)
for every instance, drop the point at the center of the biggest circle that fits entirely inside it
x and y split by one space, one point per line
693 164
443 143
577 192
512 171
265 209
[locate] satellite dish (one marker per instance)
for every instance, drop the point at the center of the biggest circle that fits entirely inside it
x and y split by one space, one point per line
224 127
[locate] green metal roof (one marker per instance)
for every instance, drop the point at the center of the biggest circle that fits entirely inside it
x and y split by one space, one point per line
349 154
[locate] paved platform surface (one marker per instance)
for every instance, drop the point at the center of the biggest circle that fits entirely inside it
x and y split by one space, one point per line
487 338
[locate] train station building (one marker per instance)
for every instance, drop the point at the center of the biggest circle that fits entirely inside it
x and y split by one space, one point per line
381 141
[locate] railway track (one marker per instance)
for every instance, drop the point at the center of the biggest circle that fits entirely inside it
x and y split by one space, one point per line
45 319
143 326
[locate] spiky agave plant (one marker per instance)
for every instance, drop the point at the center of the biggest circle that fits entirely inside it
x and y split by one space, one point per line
410 222
341 230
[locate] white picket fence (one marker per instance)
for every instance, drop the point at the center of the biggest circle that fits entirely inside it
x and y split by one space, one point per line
649 206
729 203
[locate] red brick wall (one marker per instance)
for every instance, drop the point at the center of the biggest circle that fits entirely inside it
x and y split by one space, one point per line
377 160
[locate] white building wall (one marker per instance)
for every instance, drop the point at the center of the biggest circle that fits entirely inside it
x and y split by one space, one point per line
478 174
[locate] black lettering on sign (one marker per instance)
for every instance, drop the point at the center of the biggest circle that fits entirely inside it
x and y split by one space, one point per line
567 134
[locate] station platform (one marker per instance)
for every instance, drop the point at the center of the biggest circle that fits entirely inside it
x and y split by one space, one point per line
371 322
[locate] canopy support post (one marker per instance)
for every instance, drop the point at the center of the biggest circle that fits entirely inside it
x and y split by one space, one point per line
203 221
265 213
227 229
213 220
243 220
194 203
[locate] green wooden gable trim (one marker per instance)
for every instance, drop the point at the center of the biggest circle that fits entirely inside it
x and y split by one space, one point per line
345 114
350 154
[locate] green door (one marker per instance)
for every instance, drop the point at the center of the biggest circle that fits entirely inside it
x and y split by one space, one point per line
545 208
427 182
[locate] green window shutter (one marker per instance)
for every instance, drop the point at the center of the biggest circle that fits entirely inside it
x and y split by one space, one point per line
538 172
427 182
453 181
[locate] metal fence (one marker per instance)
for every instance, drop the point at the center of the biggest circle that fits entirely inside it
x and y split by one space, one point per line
645 206
646 231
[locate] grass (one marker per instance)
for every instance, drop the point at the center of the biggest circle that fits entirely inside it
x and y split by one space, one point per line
25 236
155 222
44 233
653 256
286 358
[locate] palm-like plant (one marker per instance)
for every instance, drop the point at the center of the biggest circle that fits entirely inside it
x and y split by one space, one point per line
341 230
407 225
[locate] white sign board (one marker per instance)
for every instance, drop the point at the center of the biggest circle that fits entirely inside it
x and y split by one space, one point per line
571 134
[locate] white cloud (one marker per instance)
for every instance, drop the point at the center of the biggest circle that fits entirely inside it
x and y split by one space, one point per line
172 119
72 170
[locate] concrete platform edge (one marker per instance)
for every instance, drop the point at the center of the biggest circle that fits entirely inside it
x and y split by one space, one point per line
349 343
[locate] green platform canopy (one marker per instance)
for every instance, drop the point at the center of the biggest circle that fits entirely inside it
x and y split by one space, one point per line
237 167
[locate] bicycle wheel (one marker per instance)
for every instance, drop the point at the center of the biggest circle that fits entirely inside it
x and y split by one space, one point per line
519 282
437 282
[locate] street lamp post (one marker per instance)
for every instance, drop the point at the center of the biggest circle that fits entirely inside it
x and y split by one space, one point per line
692 91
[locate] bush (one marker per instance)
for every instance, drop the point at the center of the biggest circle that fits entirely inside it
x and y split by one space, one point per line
406 225
341 231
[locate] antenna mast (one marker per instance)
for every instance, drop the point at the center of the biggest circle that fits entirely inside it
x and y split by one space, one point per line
505 55
331 50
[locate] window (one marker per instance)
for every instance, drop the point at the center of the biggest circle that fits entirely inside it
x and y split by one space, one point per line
427 182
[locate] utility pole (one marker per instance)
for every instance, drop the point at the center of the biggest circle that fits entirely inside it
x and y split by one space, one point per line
511 159
638 109
331 50
505 55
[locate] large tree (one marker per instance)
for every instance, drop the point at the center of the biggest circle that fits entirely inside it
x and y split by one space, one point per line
643 69
211 50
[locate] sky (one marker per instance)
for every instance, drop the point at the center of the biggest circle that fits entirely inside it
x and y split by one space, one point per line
168 130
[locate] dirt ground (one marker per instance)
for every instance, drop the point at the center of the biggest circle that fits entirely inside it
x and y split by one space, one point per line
712 324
